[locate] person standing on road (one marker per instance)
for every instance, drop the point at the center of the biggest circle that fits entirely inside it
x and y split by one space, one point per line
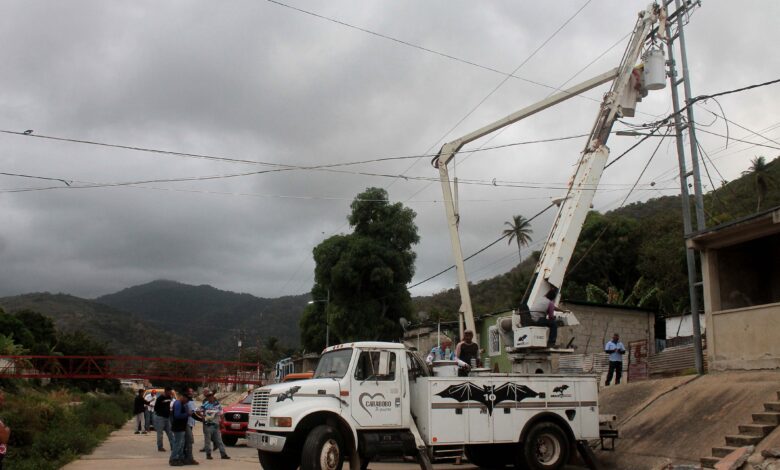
162 418
211 412
5 433
149 410
205 392
615 349
180 415
189 440
139 406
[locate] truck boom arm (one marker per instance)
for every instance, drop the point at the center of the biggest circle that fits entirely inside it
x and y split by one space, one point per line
571 215
559 247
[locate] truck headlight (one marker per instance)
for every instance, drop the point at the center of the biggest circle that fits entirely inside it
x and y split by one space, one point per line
281 422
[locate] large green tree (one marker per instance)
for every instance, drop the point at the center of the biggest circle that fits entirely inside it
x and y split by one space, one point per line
363 275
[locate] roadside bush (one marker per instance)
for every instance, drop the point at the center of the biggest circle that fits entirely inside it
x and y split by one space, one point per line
95 411
30 415
51 429
68 437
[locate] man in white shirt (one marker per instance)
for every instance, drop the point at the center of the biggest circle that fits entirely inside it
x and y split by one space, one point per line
615 349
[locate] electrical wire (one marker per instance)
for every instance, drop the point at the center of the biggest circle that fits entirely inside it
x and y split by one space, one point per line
417 46
499 85
598 237
478 251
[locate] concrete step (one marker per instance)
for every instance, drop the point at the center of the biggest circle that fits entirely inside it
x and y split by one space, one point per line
767 417
723 451
772 406
739 440
756 429
709 462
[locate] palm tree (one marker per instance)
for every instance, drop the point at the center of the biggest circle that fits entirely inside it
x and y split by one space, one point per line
520 231
759 168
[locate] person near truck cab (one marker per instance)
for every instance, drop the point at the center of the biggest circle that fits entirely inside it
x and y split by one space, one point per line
467 350
211 412
615 349
441 352
162 418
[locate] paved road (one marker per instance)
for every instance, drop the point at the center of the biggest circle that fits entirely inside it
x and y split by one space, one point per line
125 450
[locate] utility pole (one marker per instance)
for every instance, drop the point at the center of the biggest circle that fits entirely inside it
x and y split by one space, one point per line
327 320
679 126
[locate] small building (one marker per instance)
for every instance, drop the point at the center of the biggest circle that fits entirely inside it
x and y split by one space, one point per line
741 273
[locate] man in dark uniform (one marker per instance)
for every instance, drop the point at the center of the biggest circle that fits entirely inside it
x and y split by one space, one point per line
467 350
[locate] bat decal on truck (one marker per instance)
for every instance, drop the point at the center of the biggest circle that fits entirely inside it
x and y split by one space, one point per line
489 395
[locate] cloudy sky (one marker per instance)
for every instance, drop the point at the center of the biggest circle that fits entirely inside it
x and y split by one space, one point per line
265 83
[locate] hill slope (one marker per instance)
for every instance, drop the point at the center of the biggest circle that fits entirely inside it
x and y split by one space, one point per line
210 316
124 333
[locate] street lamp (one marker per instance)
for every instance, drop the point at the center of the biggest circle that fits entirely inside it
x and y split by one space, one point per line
327 323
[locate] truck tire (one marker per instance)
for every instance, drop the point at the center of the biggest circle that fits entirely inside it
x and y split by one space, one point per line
277 460
488 456
229 440
546 447
323 449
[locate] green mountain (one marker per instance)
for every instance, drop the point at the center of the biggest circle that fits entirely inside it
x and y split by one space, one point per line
123 333
211 317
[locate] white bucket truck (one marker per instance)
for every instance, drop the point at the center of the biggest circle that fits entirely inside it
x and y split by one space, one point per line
370 398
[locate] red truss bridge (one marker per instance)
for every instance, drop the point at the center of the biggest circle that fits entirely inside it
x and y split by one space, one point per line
130 367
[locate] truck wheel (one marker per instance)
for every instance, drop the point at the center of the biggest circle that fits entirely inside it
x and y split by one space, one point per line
546 447
277 460
323 449
229 440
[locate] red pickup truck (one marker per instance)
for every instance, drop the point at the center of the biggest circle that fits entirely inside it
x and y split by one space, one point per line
234 420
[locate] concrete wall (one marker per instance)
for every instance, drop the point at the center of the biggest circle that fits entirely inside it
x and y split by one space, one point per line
597 324
744 338
738 338
683 326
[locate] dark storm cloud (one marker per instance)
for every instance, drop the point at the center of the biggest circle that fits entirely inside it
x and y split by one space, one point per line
257 81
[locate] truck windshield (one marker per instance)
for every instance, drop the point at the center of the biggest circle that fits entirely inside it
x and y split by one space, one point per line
333 364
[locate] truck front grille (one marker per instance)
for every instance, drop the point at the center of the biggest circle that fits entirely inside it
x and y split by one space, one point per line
260 403
236 417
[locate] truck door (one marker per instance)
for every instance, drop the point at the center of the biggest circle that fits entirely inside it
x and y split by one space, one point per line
376 389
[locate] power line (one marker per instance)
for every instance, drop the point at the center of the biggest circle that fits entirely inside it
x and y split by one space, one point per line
277 166
478 251
756 144
415 46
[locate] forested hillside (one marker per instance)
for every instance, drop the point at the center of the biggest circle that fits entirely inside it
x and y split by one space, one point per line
212 317
121 332
634 255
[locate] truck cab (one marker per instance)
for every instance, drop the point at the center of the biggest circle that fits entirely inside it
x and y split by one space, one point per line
373 398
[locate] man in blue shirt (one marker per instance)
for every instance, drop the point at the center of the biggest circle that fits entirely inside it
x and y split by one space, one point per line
180 414
615 349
